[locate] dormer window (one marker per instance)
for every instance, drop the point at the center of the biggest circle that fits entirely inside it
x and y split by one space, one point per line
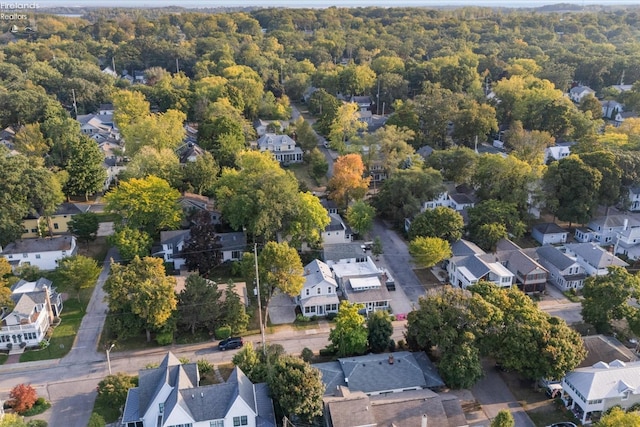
307 292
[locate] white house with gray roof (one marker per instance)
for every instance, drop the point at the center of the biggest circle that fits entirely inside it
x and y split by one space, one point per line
467 266
578 92
564 271
549 233
336 231
363 283
593 390
603 230
593 258
628 243
282 147
232 246
318 296
170 396
42 253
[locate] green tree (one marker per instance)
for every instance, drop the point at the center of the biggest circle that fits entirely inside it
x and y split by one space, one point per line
96 420
112 391
12 420
606 298
30 141
199 304
142 289
201 175
474 120
78 272
233 311
617 417
503 419
460 367
428 251
309 220
131 242
528 146
297 387
129 107
325 106
346 124
605 163
457 164
85 226
379 329
201 251
248 360
356 79
149 204
349 337
318 163
347 182
591 104
157 130
571 189
494 212
395 148
305 135
439 222
84 165
224 137
162 163
488 235
360 216
282 270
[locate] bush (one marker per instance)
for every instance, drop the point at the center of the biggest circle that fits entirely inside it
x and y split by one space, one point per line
114 388
164 338
204 366
23 397
38 423
402 344
223 332
327 352
300 318
40 401
331 316
307 354
183 360
392 345
38 408
96 420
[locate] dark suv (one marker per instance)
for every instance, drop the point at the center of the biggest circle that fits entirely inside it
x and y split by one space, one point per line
231 343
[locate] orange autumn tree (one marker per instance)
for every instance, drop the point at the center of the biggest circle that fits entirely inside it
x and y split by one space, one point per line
23 397
348 182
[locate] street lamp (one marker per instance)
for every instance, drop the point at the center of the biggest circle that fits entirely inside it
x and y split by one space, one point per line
108 358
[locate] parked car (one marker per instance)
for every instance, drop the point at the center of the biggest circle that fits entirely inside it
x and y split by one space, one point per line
231 343
563 424
553 390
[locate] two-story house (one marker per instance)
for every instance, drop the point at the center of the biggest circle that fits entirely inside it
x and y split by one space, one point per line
593 259
283 148
43 253
337 231
529 275
363 283
457 198
628 243
171 396
37 304
595 389
318 296
603 230
57 223
564 271
556 152
469 264
634 198
232 246
578 92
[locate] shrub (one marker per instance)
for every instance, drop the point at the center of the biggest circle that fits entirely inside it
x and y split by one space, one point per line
204 366
40 401
183 360
164 338
402 344
307 354
331 316
38 423
113 389
40 406
392 345
300 318
326 352
223 332
23 397
314 318
96 420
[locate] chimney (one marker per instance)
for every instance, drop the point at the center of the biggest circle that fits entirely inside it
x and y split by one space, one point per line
625 224
391 359
424 420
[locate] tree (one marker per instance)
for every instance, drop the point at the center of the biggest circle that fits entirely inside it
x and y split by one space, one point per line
297 387
439 222
202 174
158 130
617 417
503 419
494 212
402 195
113 389
428 251
346 124
282 269
84 166
162 163
199 304
201 251
474 121
395 149
350 335
308 221
30 141
78 272
457 165
233 311
129 107
606 298
22 398
305 135
85 226
571 189
360 216
131 242
347 182
224 137
318 163
96 420
379 329
141 289
12 420
149 204
591 104
528 146
488 235
248 360
605 163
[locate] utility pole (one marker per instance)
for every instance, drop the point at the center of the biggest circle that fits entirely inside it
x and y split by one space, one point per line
75 106
108 358
378 98
177 66
255 257
113 64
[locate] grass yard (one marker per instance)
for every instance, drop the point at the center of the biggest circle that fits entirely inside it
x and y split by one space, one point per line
63 335
301 171
3 358
97 249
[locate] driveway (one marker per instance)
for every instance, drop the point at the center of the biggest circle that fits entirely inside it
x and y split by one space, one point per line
493 395
282 309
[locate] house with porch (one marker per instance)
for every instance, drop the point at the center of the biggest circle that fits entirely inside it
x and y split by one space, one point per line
318 296
171 395
590 391
283 148
564 271
470 264
37 304
363 283
529 275
43 253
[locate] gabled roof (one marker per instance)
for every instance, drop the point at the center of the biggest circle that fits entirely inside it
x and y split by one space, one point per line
595 255
613 221
555 257
335 223
23 286
276 140
580 89
605 380
174 237
339 251
316 273
465 247
51 244
549 228
472 265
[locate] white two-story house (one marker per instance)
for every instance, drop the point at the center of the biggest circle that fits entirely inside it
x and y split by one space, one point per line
171 396
318 296
283 148
337 231
593 259
564 271
42 253
470 264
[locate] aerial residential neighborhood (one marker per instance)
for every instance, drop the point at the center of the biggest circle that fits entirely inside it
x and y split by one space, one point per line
320 215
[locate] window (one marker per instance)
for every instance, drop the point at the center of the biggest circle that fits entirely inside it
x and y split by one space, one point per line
37 256
240 421
319 290
307 291
216 423
10 256
25 255
329 290
625 395
161 407
236 254
33 230
55 226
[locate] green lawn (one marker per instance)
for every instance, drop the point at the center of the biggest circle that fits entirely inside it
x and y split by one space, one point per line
108 411
3 358
301 171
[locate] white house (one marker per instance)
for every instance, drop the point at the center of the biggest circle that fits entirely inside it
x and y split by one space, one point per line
337 231
37 304
42 253
549 233
593 258
470 266
597 388
564 271
604 230
363 283
634 199
232 246
556 152
284 148
628 243
457 198
319 294
577 93
610 108
171 396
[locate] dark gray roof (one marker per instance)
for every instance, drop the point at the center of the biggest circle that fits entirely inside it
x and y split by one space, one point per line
209 402
431 375
342 251
245 387
52 244
595 255
351 410
235 240
465 247
549 228
473 264
461 198
335 223
132 406
68 209
174 237
407 409
332 376
425 151
605 349
266 414
555 257
188 150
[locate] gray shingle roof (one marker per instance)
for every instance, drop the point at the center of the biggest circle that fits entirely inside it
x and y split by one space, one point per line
132 406
549 228
266 414
332 376
555 257
595 255
342 251
473 264
465 247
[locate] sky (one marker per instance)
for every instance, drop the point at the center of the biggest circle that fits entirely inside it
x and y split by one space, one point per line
317 3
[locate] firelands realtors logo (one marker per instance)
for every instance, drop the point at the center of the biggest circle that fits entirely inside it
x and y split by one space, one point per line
10 11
